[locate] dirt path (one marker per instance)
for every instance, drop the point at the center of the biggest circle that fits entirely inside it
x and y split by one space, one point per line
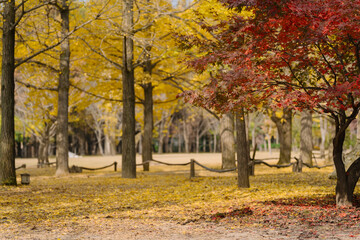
112 228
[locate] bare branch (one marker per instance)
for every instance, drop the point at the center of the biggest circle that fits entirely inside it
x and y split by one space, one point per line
28 85
101 54
39 63
95 95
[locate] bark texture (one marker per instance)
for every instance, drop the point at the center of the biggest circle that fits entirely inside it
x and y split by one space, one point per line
148 125
7 136
62 135
227 141
243 154
284 126
323 129
128 126
306 144
345 180
343 198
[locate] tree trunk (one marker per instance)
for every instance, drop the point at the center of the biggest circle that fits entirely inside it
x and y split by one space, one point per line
227 141
107 145
161 133
358 130
46 149
98 134
186 136
346 180
243 153
204 144
330 156
284 126
323 130
268 139
306 145
197 139
7 136
62 135
180 138
343 196
128 126
148 125
215 142
82 141
41 159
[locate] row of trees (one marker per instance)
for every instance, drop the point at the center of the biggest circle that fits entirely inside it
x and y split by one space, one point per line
38 56
97 130
73 58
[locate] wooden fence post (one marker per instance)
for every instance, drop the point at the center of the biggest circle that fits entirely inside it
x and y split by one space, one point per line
297 167
192 168
115 166
251 168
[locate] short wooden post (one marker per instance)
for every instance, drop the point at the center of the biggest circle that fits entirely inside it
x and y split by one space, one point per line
300 165
115 166
297 167
192 168
251 168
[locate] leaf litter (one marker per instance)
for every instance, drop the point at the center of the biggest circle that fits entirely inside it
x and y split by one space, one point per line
277 206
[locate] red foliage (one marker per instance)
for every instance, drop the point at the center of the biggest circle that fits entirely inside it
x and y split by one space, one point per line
293 53
306 213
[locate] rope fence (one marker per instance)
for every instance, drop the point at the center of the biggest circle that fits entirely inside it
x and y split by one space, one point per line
164 163
297 165
22 166
77 169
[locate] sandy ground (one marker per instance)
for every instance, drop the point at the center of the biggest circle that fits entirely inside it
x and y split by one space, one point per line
210 159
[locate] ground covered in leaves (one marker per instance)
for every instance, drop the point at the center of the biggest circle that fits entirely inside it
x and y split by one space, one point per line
170 205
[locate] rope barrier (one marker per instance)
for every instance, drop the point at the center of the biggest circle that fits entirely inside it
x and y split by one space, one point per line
22 166
316 166
313 166
215 170
297 166
272 165
94 169
77 169
168 164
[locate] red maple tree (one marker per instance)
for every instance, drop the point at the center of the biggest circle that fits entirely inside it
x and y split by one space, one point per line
299 54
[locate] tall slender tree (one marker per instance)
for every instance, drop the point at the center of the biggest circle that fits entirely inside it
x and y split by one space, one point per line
243 151
7 138
306 144
128 127
227 139
284 127
62 134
